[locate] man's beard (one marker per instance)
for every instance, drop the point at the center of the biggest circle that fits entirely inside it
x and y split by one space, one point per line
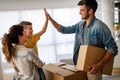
86 17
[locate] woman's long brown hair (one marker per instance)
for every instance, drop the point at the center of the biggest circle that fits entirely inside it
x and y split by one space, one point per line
9 40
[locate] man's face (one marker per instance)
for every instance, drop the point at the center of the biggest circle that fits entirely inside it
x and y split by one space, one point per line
28 30
84 12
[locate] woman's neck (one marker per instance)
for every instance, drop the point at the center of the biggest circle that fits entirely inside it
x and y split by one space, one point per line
20 43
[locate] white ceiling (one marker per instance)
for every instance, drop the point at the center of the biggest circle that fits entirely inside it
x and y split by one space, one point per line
36 4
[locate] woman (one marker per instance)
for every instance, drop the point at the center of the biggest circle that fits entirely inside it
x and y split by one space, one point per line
32 41
24 58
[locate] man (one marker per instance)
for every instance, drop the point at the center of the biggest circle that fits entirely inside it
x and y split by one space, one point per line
90 31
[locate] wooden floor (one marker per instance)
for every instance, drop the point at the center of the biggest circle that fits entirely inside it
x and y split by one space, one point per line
114 76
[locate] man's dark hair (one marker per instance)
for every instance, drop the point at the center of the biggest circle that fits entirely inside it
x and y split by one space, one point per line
90 4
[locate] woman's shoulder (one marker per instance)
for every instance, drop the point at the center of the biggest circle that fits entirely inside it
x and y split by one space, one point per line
21 51
31 51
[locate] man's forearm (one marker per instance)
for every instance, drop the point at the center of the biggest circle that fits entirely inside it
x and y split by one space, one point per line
106 59
55 24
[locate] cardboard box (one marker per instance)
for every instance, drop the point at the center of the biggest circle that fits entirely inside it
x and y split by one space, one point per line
90 55
63 72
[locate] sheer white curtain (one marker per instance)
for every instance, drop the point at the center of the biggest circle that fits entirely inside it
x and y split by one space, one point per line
52 44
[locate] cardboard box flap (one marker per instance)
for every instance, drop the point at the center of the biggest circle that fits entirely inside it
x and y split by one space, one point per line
60 64
69 67
50 68
57 70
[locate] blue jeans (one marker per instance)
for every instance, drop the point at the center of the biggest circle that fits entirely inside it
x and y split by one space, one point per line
14 77
41 73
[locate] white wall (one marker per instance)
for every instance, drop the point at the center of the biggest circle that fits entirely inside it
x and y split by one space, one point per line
1 72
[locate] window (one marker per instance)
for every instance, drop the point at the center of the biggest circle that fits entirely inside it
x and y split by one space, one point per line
52 44
116 15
